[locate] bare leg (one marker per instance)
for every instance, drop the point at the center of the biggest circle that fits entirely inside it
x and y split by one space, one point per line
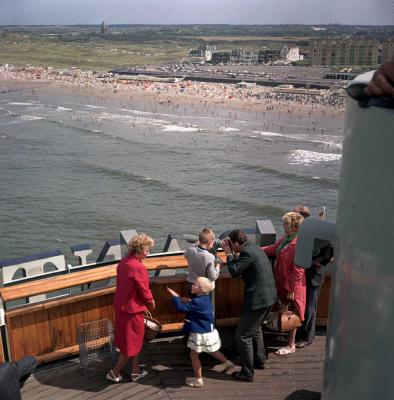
135 369
122 361
194 357
291 338
219 356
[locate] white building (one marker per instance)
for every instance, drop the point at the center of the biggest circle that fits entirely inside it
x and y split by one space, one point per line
290 53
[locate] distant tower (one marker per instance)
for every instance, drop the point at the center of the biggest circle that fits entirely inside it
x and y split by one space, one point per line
103 28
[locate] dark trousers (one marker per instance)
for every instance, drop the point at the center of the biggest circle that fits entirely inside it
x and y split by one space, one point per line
249 336
13 376
308 329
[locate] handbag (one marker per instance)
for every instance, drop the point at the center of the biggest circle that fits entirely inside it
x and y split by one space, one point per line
288 319
152 327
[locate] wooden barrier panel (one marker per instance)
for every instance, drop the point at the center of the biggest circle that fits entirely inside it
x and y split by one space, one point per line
2 358
323 304
47 329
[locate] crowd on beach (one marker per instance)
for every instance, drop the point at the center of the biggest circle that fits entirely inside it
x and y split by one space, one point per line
266 285
217 92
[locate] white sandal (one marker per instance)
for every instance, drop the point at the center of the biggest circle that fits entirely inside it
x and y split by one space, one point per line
112 377
284 351
136 377
194 382
223 367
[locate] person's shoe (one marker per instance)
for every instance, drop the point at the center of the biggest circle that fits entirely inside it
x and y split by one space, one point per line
284 351
194 382
137 377
302 343
112 377
260 366
240 377
223 367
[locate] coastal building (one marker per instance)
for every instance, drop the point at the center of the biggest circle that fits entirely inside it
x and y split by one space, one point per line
290 53
267 56
221 57
344 51
388 50
202 54
104 28
244 57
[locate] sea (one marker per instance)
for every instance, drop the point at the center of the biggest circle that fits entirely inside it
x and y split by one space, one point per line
79 168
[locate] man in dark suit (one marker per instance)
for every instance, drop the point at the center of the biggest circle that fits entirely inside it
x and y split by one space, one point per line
322 255
314 280
259 295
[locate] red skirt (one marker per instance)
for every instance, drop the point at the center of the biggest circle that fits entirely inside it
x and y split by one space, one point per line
129 332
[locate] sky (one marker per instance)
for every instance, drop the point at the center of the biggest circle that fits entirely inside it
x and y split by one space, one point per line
311 12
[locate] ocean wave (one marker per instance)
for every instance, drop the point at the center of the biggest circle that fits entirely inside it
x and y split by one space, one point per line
326 182
228 129
124 175
105 116
93 106
17 103
176 128
324 140
30 118
63 109
306 157
180 194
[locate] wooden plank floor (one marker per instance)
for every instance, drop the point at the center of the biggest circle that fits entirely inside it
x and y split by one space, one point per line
298 376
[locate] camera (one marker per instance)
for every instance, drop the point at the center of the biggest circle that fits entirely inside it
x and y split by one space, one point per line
216 246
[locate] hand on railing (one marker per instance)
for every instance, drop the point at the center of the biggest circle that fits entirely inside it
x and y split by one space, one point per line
382 83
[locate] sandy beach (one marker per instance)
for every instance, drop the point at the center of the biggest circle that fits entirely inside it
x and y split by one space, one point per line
200 95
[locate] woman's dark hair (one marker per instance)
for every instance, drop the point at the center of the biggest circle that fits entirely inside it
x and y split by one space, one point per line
238 236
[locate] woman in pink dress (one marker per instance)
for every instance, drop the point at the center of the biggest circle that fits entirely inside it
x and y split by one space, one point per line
290 280
132 298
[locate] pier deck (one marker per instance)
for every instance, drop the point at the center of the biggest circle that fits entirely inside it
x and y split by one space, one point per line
298 376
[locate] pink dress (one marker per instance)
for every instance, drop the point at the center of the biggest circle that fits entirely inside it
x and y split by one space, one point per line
131 300
288 277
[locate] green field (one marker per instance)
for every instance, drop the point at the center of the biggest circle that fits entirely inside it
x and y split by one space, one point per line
137 45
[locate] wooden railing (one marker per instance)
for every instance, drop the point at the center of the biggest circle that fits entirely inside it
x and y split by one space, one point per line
47 329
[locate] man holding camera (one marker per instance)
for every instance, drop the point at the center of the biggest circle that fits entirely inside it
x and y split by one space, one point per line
259 295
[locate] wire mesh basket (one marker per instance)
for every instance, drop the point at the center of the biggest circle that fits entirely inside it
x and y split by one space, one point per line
97 351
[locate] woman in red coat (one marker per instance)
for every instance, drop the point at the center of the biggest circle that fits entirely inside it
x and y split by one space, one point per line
132 298
290 280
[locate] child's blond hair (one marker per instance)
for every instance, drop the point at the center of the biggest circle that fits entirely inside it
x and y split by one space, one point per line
206 235
204 284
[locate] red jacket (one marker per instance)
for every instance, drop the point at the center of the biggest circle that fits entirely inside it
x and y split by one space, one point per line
288 277
132 286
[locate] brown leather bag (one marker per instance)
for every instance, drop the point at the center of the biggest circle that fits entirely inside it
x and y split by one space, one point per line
288 319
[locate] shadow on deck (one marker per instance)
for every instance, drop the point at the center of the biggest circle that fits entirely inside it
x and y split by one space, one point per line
295 377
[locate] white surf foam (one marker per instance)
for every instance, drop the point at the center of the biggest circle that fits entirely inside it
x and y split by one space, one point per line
130 119
264 133
30 118
228 129
176 128
306 157
327 141
93 106
63 109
